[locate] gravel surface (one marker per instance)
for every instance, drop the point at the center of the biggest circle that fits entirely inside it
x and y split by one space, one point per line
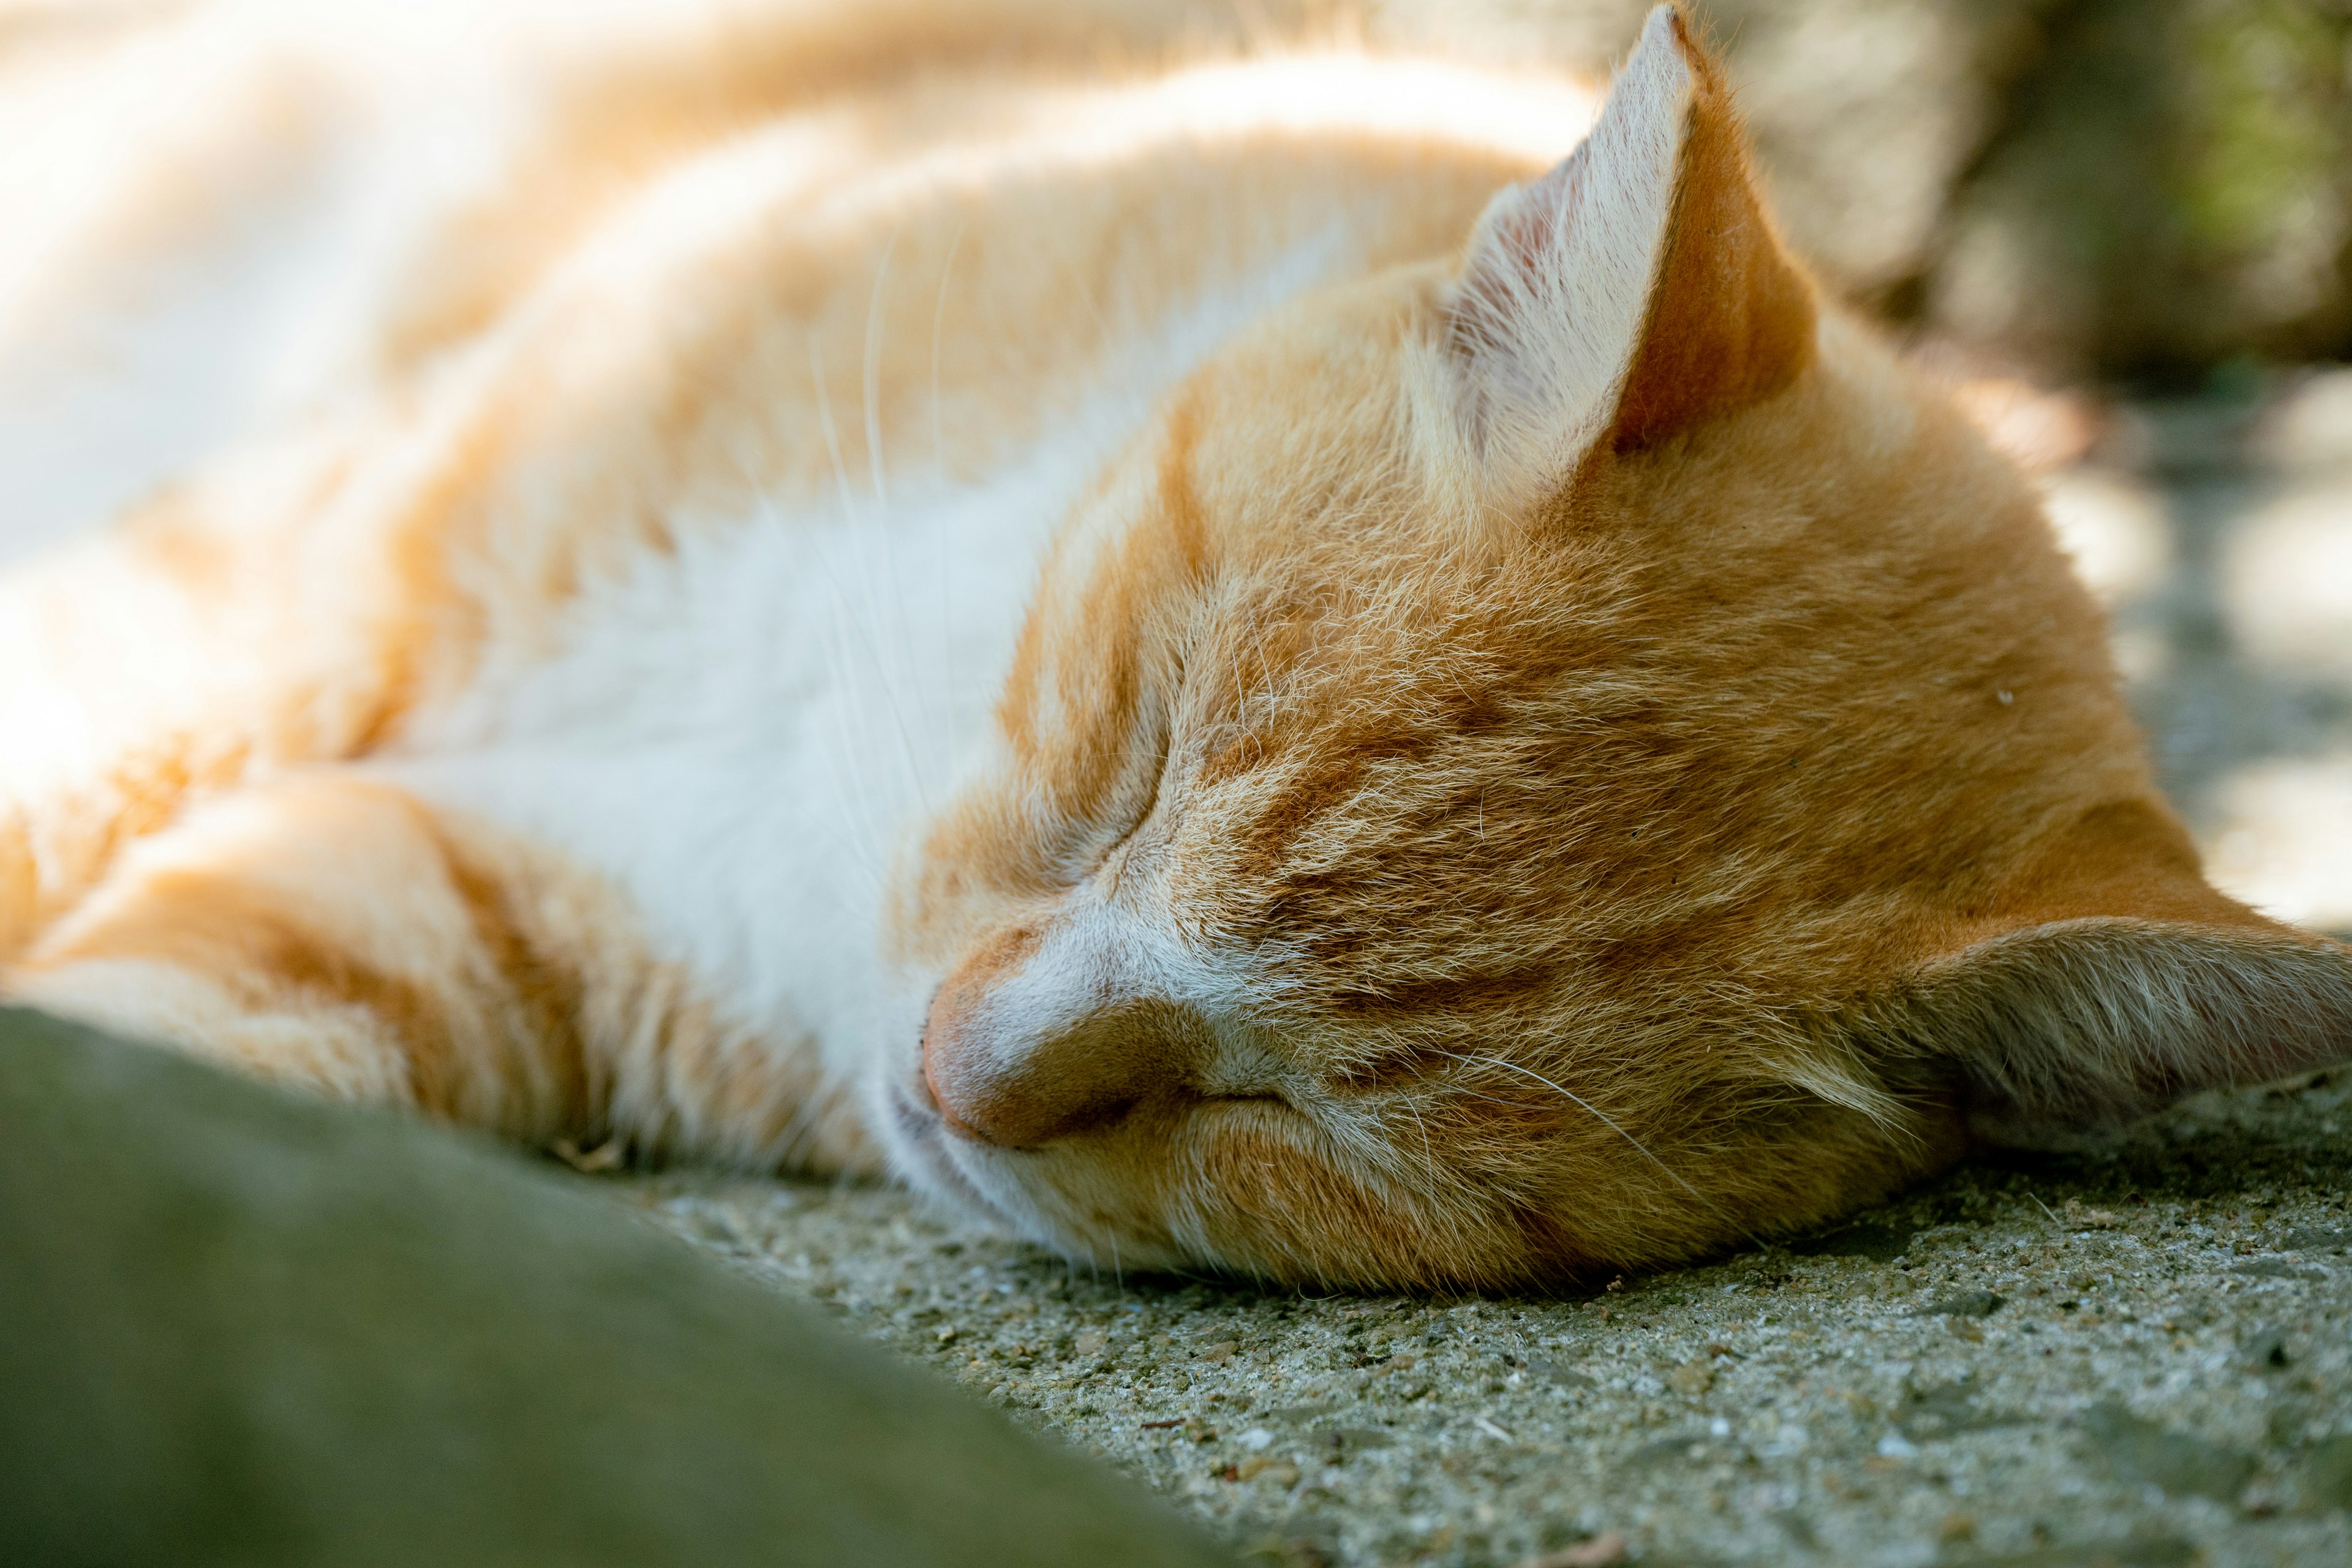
2140 1355
2144 1355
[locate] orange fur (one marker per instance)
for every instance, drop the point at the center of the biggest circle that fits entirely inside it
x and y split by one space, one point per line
1479 794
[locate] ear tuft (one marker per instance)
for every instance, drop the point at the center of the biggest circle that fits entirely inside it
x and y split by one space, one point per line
1635 290
2083 1023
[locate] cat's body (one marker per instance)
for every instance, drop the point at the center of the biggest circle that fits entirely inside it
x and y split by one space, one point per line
1041 618
728 688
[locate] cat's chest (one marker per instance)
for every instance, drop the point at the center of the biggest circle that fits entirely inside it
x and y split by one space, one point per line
743 737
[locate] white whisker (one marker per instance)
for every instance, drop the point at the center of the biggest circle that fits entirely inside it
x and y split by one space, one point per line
849 617
1594 1111
944 627
870 389
831 432
938 320
892 606
1428 1150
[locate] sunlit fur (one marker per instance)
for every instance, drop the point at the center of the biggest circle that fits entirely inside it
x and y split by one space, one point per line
1142 619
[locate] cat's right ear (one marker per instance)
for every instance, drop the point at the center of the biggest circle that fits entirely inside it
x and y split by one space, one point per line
1633 292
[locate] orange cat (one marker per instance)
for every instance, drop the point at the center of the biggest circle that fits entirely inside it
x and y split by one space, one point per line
1121 624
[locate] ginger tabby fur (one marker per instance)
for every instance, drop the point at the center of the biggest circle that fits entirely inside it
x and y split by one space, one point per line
1076 601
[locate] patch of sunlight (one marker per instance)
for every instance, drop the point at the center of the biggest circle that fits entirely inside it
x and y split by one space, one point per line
2286 581
1535 116
2143 655
2311 427
2117 529
2286 842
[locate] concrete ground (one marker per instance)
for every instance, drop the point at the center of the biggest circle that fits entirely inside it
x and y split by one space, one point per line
2140 1357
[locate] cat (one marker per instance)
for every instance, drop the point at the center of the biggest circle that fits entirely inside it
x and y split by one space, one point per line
1231 653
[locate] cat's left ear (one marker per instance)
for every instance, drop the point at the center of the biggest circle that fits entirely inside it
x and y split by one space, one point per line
1636 290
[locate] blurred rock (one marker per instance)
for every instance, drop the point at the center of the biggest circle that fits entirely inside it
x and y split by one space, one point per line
248 1327
1867 112
2167 186
2142 187
2309 429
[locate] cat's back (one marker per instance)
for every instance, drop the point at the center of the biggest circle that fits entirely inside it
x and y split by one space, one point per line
242 215
707 505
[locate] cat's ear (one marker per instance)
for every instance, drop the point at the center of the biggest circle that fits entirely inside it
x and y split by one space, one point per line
1635 290
2121 982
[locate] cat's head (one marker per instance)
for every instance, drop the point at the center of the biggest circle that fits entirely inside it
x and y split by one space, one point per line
1551 763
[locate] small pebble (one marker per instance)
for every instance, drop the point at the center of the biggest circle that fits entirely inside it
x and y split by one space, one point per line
1603 1551
1691 1379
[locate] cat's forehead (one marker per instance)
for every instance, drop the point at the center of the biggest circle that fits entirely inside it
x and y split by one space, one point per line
1326 452
1382 686
1310 498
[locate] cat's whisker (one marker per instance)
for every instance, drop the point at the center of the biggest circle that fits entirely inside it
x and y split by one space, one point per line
1264 669
1594 1111
939 324
831 432
863 846
870 383
1428 1150
1085 290
944 627
892 606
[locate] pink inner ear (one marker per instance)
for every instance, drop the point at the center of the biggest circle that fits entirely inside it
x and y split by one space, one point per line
1519 237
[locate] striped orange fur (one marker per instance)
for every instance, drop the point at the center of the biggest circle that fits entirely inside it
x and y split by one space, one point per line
1229 649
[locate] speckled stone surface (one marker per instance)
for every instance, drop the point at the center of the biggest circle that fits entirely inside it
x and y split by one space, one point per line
2148 1353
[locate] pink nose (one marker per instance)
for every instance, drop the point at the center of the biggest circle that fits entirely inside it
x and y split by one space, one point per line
1007 1070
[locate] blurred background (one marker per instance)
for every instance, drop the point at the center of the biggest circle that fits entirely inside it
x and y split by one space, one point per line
2139 189
2121 228
2124 229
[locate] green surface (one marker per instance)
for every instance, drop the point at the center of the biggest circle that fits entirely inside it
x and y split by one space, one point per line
239 1328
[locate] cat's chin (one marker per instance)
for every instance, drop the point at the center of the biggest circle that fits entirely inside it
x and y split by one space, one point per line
973 1180
915 1137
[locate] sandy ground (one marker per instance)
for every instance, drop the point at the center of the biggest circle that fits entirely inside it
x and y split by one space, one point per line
2139 1356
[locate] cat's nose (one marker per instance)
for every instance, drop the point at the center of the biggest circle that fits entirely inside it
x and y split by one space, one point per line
1045 1034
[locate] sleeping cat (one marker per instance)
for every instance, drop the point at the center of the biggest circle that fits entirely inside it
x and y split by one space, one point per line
1194 647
